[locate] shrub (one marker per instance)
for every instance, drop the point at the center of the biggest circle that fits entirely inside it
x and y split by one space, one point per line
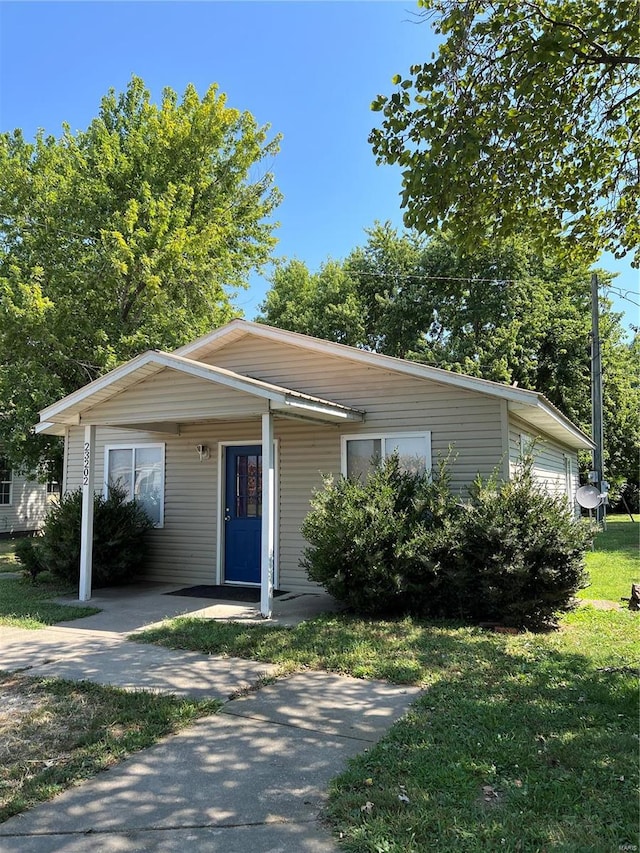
119 541
369 541
400 543
29 556
519 556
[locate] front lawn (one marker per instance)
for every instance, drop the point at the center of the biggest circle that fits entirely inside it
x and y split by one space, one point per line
24 604
522 742
8 562
55 733
614 564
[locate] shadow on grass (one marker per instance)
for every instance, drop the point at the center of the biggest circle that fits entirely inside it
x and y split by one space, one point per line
524 744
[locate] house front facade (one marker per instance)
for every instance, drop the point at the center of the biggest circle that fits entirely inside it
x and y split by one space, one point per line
225 440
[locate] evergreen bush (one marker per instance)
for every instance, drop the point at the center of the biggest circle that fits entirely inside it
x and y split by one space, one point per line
519 557
400 543
29 556
119 540
372 543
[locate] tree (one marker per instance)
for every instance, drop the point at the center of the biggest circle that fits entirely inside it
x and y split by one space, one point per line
526 120
322 304
127 236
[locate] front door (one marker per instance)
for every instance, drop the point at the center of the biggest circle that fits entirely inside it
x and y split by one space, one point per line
243 514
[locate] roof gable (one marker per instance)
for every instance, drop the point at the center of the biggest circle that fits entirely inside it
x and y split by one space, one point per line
531 406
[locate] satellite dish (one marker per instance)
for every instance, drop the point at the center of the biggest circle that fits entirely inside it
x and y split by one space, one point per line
588 497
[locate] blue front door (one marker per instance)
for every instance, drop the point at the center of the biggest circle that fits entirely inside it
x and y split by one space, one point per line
243 514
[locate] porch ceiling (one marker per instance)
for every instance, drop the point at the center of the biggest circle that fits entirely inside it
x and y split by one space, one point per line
238 396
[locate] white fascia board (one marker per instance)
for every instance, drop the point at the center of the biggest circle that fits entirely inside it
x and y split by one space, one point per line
48 428
337 411
547 418
516 397
229 329
210 373
372 359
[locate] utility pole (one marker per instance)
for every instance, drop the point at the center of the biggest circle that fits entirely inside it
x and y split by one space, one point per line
596 392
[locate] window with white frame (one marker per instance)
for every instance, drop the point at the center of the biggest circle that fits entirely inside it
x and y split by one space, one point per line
361 453
139 471
6 480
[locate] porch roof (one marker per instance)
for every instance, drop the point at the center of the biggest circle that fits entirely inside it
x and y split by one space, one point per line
69 411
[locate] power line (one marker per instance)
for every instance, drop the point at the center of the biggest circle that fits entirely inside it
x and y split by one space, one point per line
622 294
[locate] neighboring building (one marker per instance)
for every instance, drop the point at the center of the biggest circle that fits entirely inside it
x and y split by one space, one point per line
23 502
185 433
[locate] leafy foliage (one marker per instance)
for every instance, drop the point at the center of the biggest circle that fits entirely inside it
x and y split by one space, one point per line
127 236
399 543
527 119
119 542
324 304
519 554
370 541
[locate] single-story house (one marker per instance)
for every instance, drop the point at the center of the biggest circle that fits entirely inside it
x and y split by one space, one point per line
23 502
225 439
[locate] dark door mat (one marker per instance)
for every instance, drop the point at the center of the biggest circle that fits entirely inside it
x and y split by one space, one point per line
224 593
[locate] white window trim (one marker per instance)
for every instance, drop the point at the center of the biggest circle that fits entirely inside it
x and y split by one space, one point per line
133 447
568 479
10 482
222 470
382 436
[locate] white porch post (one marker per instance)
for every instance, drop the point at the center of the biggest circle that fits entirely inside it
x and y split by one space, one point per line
268 516
86 534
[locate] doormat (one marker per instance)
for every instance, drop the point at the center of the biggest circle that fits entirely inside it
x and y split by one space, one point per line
224 593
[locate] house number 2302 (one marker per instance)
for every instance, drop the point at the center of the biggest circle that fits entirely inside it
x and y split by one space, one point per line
86 461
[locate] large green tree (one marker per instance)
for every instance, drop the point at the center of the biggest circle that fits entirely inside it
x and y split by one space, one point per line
132 234
526 119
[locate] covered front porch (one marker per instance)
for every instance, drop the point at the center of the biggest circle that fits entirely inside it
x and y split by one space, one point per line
163 399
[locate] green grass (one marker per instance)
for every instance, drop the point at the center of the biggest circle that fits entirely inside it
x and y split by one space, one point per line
8 562
525 743
529 738
614 564
24 604
56 733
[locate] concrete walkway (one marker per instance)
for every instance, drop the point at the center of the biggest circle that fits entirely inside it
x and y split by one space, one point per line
251 778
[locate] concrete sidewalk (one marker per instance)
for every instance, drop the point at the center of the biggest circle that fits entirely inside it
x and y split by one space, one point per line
251 778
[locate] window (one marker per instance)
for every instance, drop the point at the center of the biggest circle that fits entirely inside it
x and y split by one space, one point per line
360 454
527 445
6 479
139 470
53 487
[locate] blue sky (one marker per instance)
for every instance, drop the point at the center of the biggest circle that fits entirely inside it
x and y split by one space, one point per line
309 69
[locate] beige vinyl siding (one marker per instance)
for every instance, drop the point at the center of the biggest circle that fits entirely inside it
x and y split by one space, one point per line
468 422
555 467
27 508
185 550
179 397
